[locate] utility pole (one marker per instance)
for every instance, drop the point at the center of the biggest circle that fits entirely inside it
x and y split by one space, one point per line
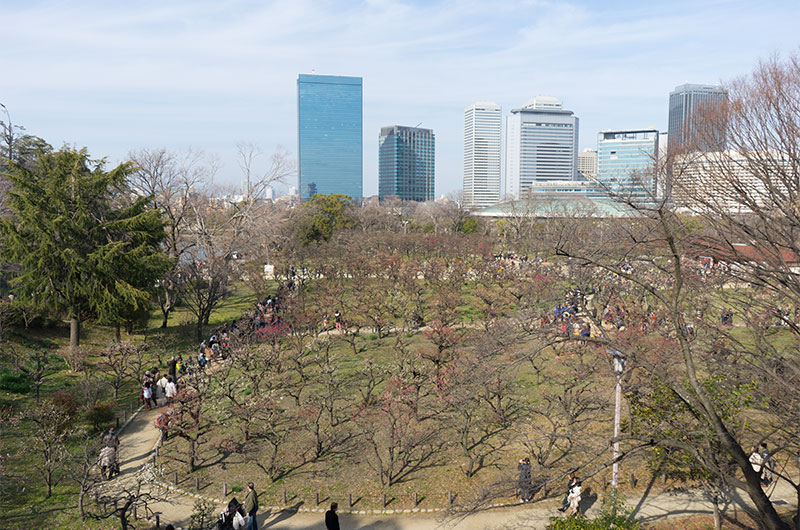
619 369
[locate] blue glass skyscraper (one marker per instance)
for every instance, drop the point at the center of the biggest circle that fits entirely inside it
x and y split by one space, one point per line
329 135
406 163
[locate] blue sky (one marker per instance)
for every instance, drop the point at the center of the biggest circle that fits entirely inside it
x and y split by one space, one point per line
116 76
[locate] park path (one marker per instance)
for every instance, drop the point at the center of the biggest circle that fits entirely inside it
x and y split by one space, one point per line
140 436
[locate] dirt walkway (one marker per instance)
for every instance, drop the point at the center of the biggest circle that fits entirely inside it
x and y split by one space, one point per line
140 436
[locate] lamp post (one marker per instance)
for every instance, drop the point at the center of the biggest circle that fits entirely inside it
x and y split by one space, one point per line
619 369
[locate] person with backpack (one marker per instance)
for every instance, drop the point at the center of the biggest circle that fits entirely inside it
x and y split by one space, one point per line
161 384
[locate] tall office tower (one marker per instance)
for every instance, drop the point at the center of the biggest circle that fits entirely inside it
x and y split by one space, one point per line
587 163
687 103
406 163
626 162
329 135
482 124
541 145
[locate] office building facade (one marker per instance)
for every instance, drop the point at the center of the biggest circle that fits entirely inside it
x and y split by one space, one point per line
716 181
406 163
482 132
687 104
587 163
626 163
541 145
329 135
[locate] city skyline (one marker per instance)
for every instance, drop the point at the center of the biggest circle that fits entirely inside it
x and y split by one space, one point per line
208 75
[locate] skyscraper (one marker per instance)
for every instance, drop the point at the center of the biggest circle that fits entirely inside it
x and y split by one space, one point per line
541 145
482 124
406 163
626 162
686 105
329 135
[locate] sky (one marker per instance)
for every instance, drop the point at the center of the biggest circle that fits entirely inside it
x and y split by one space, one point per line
115 76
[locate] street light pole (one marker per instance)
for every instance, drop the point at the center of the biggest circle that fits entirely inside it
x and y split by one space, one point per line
619 369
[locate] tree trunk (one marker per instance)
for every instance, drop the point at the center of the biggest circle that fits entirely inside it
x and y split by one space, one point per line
165 318
74 330
717 514
118 332
199 329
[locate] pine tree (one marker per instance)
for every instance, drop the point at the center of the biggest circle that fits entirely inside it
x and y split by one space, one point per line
81 246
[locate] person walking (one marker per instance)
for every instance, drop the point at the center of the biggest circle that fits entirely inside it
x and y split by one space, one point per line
767 471
108 462
331 519
147 395
170 390
251 507
111 439
162 388
163 424
172 366
524 469
573 481
574 499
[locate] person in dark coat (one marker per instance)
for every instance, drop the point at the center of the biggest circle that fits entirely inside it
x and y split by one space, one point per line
331 519
524 469
172 366
251 507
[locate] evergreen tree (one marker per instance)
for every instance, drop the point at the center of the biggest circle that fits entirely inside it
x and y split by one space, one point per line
82 246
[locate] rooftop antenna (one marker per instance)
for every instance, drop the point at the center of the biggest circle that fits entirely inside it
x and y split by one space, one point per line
417 125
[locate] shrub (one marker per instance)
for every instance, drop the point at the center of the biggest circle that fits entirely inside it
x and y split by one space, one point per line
64 401
99 414
75 357
14 382
373 336
203 516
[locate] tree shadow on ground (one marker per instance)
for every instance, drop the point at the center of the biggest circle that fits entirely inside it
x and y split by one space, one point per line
282 515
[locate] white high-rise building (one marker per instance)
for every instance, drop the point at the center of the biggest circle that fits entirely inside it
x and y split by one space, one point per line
482 125
541 145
